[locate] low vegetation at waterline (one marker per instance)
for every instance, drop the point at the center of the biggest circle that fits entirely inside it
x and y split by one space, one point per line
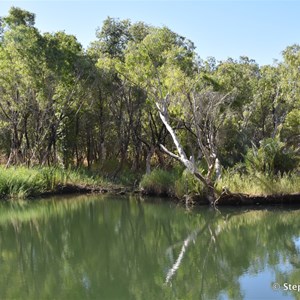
22 182
176 184
260 184
140 98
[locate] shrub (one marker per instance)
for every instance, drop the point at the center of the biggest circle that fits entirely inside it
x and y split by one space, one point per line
272 157
21 182
158 182
177 182
187 184
259 183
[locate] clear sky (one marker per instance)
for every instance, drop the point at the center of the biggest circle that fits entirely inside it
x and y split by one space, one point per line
257 29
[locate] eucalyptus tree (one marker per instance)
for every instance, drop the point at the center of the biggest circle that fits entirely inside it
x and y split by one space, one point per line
17 16
41 84
291 89
124 103
263 113
165 65
274 118
1 29
240 78
64 93
20 67
110 95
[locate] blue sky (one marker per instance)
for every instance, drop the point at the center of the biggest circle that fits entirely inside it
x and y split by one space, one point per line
222 29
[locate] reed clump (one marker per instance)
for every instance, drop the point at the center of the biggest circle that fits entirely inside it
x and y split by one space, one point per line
22 182
158 182
177 184
259 183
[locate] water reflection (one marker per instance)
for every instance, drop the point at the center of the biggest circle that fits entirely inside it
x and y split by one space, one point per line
102 248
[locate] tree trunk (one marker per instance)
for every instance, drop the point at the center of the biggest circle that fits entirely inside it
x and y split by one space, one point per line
182 157
218 169
15 156
148 160
211 195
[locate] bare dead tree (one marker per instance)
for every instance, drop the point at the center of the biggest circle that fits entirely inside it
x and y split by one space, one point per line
203 120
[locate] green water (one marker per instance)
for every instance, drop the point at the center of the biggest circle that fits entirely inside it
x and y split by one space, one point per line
104 248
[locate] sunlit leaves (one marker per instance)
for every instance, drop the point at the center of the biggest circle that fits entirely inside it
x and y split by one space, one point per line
18 16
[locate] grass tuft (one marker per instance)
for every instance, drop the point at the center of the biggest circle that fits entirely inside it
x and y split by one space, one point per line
21 182
260 184
158 182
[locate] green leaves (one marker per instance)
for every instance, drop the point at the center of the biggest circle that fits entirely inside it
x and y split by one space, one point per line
58 101
18 16
42 79
270 158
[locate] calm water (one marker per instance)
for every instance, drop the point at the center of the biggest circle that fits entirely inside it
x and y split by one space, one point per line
104 248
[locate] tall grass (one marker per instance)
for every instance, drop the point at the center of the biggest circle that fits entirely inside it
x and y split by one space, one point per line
186 184
178 184
21 182
174 183
158 182
259 183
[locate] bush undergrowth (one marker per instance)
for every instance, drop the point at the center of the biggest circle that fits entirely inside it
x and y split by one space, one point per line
22 182
179 183
174 183
158 182
259 183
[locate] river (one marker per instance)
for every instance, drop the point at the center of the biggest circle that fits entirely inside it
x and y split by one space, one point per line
105 247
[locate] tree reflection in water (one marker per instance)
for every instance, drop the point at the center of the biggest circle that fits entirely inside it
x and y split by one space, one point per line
93 247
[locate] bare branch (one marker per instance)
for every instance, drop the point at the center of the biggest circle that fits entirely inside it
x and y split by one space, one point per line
163 148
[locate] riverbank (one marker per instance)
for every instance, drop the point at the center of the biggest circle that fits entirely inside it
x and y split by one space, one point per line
226 199
68 189
240 199
23 183
232 189
244 199
29 183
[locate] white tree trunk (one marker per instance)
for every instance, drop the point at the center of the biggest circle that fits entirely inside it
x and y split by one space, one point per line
163 113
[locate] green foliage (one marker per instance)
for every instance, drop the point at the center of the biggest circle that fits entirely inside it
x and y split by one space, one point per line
21 182
187 184
61 236
18 16
291 127
259 183
54 176
158 182
270 158
175 183
61 106
127 177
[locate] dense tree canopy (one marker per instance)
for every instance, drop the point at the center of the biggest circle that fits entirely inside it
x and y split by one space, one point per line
140 96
